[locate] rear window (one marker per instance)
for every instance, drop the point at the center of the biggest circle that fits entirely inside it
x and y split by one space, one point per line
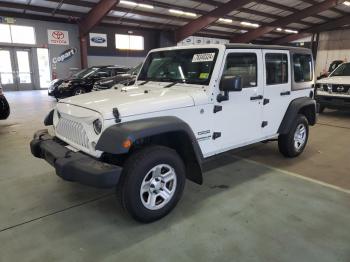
276 68
302 68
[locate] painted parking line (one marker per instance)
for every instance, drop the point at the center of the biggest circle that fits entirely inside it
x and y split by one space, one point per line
347 191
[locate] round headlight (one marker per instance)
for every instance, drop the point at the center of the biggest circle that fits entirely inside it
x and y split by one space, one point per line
97 126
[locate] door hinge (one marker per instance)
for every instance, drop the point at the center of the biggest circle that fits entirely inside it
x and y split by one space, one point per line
264 123
216 135
266 101
217 109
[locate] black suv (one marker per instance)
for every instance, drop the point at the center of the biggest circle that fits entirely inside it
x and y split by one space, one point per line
83 81
126 79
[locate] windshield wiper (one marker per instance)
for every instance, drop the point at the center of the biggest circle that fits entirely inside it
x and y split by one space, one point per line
182 81
143 83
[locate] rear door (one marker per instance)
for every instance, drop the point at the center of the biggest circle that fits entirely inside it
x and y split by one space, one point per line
277 89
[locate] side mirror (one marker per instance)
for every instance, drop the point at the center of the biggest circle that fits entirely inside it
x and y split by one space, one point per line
229 84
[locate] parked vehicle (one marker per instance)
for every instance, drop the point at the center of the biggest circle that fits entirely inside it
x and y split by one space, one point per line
334 91
126 79
83 81
4 105
189 103
331 68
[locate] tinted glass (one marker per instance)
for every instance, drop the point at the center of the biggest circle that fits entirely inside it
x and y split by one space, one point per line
276 68
302 67
193 66
342 70
243 65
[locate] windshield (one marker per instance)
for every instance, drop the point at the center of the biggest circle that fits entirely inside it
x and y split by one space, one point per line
342 70
192 66
86 72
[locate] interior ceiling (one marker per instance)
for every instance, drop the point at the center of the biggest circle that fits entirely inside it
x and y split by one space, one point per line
159 17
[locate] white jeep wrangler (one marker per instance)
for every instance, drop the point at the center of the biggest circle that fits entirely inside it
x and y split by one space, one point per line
188 104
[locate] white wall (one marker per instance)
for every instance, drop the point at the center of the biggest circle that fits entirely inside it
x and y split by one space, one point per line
114 60
333 45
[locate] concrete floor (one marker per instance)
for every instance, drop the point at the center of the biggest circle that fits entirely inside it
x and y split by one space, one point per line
245 211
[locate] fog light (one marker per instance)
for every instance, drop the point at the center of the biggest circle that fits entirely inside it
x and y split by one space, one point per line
97 126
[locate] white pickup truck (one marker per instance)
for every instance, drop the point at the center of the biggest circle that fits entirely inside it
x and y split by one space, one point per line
334 90
188 104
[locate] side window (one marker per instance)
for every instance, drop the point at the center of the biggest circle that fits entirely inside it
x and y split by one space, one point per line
303 71
105 72
243 65
276 68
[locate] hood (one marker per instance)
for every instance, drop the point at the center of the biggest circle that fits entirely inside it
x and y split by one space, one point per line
135 100
335 80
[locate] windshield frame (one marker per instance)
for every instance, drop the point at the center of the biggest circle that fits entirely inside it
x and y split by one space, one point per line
202 50
339 68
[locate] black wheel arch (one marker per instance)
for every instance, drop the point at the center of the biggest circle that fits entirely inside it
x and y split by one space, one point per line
168 131
302 105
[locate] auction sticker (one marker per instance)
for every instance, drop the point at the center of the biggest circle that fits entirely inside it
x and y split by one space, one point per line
206 57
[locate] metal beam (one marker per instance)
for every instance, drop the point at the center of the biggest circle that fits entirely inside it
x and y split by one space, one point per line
95 15
315 9
207 19
163 16
333 24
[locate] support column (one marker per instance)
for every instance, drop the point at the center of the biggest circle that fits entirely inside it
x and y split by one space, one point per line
83 52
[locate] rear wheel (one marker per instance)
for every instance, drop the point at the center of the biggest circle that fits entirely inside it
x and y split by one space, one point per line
293 143
152 183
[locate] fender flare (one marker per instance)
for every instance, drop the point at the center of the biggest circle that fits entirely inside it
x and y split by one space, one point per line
112 138
48 121
293 109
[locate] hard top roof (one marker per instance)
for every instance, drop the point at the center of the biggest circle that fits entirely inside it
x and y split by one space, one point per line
277 47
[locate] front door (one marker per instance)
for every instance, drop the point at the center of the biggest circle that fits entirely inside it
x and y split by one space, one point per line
16 69
239 121
277 89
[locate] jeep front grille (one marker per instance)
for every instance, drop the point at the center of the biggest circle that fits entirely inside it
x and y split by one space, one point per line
72 131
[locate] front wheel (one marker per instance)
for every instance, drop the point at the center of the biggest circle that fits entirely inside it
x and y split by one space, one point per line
152 183
79 91
293 143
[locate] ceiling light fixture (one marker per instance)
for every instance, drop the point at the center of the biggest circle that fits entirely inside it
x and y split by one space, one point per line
179 12
136 4
279 29
225 20
290 31
250 24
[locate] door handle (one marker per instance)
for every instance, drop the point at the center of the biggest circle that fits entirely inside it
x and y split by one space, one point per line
256 97
287 93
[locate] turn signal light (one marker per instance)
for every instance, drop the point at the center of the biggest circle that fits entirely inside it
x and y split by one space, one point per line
127 143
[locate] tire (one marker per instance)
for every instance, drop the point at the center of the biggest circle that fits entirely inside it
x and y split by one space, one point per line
321 109
4 108
293 143
140 171
79 91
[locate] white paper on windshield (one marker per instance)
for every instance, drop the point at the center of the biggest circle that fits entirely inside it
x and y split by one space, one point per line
206 57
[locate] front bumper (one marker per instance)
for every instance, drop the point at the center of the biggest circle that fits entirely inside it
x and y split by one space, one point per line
74 166
333 100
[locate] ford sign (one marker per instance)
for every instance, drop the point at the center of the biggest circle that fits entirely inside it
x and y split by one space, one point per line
65 55
98 39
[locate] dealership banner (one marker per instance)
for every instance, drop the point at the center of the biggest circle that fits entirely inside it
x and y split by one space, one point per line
99 40
65 55
58 37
